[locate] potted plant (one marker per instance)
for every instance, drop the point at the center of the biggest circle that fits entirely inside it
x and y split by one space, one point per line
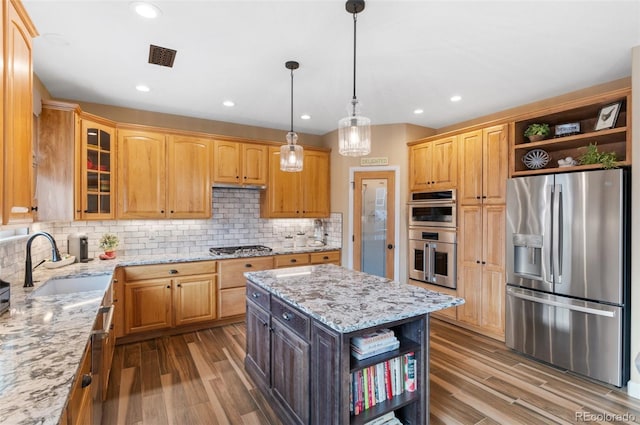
593 156
109 242
536 132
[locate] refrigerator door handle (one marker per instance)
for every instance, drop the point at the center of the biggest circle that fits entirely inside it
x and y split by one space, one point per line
548 229
559 233
553 303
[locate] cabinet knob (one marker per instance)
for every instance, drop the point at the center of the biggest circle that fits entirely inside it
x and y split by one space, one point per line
265 324
248 265
171 211
179 285
256 295
168 286
433 182
86 211
34 208
293 260
477 197
173 271
115 280
390 246
78 211
326 257
484 197
161 211
86 380
477 261
245 177
237 177
287 316
484 262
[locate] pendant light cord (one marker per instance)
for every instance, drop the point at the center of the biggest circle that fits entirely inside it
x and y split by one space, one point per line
354 101
292 100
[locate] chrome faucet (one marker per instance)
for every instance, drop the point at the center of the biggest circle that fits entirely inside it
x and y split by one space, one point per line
28 270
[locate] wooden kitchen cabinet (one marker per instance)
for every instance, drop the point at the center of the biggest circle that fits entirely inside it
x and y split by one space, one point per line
79 410
433 164
483 165
17 180
292 260
163 296
95 193
231 296
162 176
239 163
297 194
481 268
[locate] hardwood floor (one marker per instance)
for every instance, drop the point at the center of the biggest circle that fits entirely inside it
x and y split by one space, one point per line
199 378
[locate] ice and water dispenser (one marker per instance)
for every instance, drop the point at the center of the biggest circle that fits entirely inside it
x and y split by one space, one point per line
527 255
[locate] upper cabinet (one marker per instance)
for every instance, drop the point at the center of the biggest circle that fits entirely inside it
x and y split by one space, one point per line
297 194
433 165
483 157
161 176
603 119
236 163
17 115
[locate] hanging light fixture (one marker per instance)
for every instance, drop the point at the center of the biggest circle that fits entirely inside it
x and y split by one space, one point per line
354 131
291 153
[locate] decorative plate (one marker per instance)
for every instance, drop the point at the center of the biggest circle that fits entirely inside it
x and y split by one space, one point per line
535 159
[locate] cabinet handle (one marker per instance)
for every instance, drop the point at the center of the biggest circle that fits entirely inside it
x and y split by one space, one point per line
85 211
477 261
78 211
86 380
168 286
248 265
293 260
287 316
115 301
433 182
162 211
255 295
477 197
325 257
245 177
484 262
484 197
171 211
265 324
237 177
115 280
34 208
179 285
173 271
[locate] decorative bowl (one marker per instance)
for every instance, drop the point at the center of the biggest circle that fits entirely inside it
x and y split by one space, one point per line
536 159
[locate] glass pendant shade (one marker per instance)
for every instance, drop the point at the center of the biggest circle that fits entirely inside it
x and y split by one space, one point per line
291 154
354 136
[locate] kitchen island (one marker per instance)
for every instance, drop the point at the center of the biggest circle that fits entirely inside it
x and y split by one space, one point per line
300 322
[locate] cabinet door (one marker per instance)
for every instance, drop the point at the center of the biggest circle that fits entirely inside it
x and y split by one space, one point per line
470 263
147 305
445 163
141 174
96 194
226 161
420 166
493 274
18 117
254 164
281 198
258 343
194 299
471 170
495 157
189 184
315 184
290 374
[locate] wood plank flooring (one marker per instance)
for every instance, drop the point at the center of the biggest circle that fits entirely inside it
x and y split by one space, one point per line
198 378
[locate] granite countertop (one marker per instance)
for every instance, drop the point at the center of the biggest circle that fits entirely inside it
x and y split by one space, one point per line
348 300
42 339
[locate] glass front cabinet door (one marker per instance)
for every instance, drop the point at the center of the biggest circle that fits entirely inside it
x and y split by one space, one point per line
97 160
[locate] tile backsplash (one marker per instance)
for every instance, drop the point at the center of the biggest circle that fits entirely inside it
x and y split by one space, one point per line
236 221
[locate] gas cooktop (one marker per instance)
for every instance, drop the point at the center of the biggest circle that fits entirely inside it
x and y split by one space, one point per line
243 249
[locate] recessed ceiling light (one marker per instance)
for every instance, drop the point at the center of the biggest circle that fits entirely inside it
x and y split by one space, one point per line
305 116
456 98
146 10
143 88
228 103
418 111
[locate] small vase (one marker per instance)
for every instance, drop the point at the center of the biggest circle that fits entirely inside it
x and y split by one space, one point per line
110 254
536 138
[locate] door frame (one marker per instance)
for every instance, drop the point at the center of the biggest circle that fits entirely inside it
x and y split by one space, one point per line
396 242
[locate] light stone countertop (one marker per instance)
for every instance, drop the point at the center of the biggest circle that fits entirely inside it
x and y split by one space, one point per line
348 300
42 339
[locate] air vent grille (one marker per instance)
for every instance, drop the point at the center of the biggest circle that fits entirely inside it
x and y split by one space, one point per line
161 56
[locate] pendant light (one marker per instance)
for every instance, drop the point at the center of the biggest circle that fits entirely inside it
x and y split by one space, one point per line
354 131
291 153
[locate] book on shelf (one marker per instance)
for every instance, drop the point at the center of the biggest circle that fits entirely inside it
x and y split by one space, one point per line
371 339
386 419
360 354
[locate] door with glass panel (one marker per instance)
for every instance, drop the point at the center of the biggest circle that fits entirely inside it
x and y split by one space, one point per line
374 222
97 188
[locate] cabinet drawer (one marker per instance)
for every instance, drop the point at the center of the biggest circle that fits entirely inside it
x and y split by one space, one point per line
290 260
290 317
232 302
232 271
153 271
325 257
258 295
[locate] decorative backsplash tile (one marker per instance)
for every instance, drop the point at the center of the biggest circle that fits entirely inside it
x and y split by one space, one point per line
236 221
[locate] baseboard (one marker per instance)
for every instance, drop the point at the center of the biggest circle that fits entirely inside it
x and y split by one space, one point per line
633 389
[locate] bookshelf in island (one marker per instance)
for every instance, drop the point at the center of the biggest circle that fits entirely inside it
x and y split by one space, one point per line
306 326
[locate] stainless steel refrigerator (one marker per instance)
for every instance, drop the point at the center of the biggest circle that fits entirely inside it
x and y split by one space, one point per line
568 285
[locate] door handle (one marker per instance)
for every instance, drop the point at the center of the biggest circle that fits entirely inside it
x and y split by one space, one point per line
559 304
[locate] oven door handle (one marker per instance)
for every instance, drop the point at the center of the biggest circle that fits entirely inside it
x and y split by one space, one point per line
104 332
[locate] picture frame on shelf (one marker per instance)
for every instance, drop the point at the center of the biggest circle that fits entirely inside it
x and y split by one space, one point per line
608 116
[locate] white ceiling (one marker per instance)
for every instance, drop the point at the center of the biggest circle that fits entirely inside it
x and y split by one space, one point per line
411 54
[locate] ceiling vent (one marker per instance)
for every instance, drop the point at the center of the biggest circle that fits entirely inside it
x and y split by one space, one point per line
161 56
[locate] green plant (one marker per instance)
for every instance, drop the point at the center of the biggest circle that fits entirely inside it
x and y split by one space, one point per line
593 156
537 130
109 242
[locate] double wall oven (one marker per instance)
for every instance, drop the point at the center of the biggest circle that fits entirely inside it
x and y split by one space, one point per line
432 238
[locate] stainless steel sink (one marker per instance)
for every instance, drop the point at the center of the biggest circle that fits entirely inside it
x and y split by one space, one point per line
71 285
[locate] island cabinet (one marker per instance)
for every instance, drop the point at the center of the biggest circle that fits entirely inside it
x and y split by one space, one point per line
433 164
299 334
16 124
163 175
300 194
237 163
163 296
